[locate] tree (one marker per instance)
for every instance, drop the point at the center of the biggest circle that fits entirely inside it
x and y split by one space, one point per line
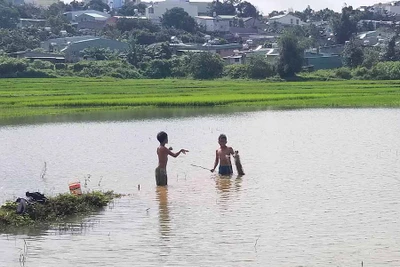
158 69
259 68
55 10
344 26
246 9
352 54
17 40
275 13
75 5
130 8
178 18
98 5
324 14
391 53
159 51
8 16
30 11
371 57
290 57
206 65
135 54
224 8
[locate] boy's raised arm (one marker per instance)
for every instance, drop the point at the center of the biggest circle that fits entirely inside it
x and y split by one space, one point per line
177 153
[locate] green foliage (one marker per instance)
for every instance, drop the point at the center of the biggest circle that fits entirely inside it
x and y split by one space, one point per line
222 8
259 68
246 9
392 53
353 55
180 66
158 69
290 56
42 65
17 40
178 18
206 66
10 67
99 53
389 70
8 16
371 57
98 5
237 71
129 9
343 73
361 73
159 51
55 209
344 26
104 68
126 25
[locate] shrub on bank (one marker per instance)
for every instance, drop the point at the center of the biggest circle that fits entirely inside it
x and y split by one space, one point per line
236 71
55 208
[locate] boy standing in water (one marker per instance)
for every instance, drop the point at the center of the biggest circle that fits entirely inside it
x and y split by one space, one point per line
223 157
163 152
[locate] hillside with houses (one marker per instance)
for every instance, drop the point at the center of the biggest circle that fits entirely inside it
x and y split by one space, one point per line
151 36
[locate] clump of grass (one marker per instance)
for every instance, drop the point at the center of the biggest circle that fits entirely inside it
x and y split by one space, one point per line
55 209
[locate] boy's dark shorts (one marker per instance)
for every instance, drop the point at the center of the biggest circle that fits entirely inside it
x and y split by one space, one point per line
161 177
225 170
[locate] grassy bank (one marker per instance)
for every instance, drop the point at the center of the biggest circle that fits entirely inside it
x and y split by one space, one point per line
55 209
29 97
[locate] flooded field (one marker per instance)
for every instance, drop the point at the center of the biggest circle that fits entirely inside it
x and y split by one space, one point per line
321 189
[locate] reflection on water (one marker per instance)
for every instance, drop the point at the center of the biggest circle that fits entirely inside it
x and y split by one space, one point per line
127 115
163 211
227 188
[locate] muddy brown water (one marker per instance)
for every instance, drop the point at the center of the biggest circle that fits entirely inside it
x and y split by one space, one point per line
321 189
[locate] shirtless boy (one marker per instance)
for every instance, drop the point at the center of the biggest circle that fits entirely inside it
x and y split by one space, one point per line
163 152
223 157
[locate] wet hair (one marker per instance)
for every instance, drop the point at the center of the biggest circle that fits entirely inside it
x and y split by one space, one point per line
162 136
222 136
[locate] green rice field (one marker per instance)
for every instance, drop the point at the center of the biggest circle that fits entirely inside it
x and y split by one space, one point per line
32 97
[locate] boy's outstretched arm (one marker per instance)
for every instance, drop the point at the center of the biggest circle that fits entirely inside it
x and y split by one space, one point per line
178 153
215 162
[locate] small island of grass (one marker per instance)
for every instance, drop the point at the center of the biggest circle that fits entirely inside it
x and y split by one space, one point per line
55 209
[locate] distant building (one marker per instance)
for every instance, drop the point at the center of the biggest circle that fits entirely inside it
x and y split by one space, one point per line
91 17
235 59
156 10
318 61
286 19
72 16
73 51
32 55
23 23
72 47
41 3
223 50
213 24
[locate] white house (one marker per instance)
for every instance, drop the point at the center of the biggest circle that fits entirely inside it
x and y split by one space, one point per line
286 19
72 16
213 24
155 11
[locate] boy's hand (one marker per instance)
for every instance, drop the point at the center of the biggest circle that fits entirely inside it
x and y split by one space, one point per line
212 170
184 151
